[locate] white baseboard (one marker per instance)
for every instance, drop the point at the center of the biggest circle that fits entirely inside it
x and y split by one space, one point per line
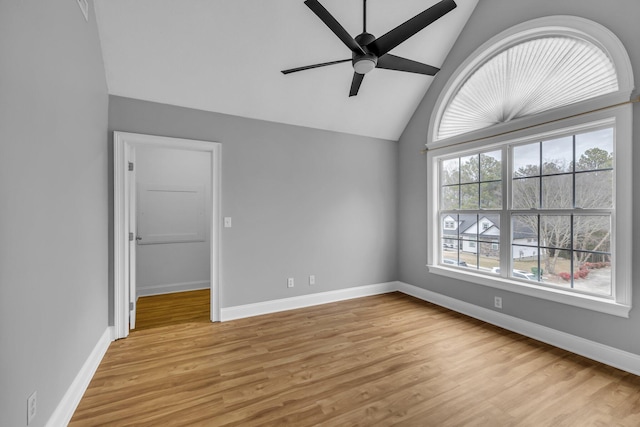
67 406
170 288
249 310
612 356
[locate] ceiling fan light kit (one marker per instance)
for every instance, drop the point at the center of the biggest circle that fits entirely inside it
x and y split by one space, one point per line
369 52
364 65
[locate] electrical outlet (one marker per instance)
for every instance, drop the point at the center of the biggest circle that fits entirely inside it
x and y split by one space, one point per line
312 280
290 282
497 302
31 407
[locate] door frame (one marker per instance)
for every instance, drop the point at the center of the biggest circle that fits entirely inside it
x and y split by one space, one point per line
123 142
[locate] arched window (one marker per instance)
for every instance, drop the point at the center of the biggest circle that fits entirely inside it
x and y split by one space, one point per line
529 78
524 148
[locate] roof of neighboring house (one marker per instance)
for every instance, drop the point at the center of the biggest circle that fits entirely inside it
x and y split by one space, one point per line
468 224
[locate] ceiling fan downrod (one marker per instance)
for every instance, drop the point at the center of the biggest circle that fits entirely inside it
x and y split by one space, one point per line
364 16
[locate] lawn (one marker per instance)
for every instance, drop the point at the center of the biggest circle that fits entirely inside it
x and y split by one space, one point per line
598 281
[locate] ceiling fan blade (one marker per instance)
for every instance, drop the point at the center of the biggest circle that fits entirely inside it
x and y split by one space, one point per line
309 67
392 62
334 25
355 84
402 32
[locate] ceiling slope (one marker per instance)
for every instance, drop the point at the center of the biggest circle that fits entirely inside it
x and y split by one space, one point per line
225 56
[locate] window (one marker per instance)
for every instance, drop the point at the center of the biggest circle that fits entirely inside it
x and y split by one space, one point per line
559 218
536 193
570 68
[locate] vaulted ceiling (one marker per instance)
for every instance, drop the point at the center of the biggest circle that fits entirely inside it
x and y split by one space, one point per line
226 56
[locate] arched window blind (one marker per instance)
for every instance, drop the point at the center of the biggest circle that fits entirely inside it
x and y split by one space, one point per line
528 78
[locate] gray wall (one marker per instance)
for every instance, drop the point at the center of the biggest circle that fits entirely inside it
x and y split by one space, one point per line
490 18
303 201
172 266
53 195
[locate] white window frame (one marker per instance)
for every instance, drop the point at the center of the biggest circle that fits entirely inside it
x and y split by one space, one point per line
620 302
604 111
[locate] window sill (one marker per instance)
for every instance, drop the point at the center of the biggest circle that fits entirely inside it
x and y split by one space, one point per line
589 302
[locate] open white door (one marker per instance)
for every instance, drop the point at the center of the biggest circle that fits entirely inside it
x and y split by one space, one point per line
133 239
124 189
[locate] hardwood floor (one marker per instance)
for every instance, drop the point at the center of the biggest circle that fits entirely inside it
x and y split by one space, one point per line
376 361
171 309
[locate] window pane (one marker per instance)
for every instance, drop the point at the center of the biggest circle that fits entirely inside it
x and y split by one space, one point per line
526 193
449 228
557 192
491 166
491 195
594 190
451 250
524 230
525 263
469 196
592 233
450 224
592 273
524 247
449 233
489 256
449 245
450 198
555 231
526 160
449 172
594 150
469 227
556 265
557 155
555 235
469 169
489 228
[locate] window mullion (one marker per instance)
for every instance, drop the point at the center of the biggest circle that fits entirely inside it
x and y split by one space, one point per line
505 216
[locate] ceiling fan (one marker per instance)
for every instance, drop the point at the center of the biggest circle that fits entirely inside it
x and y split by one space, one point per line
369 52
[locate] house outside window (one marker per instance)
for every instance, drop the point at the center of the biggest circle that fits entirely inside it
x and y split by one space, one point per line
527 146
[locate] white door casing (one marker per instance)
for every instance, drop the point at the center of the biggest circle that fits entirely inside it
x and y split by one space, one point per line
124 144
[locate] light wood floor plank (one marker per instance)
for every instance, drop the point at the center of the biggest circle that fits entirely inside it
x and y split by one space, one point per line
382 360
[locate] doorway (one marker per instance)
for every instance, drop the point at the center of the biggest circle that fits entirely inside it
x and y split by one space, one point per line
125 227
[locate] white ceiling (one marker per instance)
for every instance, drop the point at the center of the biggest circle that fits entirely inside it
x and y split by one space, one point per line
226 55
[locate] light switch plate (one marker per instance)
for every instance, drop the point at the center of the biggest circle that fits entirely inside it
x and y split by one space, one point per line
227 222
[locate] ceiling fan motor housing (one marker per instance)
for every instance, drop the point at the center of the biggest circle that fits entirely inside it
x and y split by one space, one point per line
363 63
